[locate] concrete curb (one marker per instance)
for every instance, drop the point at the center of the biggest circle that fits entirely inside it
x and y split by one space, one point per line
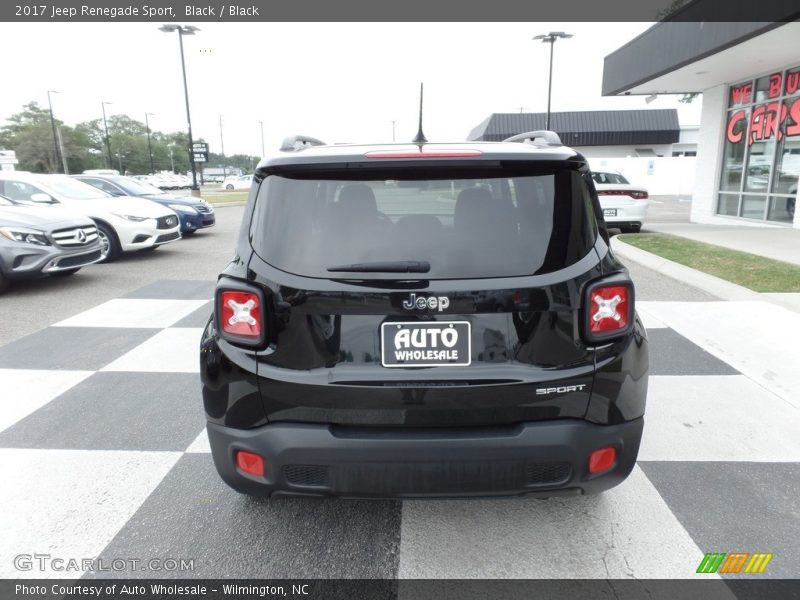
708 283
224 204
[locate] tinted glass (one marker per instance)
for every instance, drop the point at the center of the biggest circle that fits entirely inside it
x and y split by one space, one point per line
482 226
72 188
134 187
601 177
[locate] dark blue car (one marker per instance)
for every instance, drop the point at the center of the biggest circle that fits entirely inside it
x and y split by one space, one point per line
193 213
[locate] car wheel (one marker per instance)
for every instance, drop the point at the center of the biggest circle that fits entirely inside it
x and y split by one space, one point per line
229 186
65 272
109 245
631 229
790 202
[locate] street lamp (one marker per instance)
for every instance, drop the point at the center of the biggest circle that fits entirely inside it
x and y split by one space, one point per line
108 140
149 147
222 148
182 31
53 124
551 38
262 138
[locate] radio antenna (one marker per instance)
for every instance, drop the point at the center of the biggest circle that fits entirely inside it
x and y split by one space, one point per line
420 139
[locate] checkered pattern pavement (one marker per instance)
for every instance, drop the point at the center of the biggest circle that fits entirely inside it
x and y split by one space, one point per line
103 453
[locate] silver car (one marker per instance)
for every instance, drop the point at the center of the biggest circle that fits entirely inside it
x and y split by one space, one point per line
43 240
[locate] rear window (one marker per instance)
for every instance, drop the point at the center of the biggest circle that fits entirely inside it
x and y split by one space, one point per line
528 222
608 178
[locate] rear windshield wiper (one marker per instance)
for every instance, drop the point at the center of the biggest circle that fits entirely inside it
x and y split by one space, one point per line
398 266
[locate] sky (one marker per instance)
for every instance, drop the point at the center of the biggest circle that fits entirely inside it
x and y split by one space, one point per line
339 82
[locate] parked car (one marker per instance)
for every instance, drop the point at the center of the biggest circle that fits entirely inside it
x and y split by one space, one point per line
43 240
193 213
424 320
624 205
242 182
123 224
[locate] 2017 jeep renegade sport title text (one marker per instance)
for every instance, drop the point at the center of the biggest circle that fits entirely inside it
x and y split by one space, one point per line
424 320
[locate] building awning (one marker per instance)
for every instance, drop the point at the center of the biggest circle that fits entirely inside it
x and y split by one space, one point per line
587 128
679 57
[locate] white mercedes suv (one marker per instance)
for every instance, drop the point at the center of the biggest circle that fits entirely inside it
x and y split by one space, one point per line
124 223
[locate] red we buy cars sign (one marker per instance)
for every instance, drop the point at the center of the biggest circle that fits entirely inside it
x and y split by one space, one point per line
766 120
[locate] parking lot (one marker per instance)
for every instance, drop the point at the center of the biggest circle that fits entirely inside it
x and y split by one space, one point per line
103 451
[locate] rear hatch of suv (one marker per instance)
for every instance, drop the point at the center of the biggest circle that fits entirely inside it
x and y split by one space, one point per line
428 293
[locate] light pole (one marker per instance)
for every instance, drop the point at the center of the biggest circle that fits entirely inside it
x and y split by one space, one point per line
182 31
108 140
53 124
149 147
262 138
551 38
222 149
393 131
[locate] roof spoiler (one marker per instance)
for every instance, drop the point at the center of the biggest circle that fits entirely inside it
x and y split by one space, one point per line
549 137
298 142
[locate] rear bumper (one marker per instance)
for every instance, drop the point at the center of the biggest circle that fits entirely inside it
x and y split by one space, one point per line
634 212
546 458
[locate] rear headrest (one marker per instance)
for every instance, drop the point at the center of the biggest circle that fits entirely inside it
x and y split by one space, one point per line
357 198
473 205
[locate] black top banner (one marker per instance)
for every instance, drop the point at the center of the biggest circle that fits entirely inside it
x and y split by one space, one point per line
402 10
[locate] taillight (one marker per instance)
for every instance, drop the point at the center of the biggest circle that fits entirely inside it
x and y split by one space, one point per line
633 194
240 315
609 310
424 153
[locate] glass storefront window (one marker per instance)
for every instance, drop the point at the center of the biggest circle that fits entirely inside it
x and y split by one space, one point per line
761 157
781 209
792 82
787 158
733 158
753 207
759 164
728 204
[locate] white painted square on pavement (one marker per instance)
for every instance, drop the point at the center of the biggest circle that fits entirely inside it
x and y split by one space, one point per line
169 351
134 313
648 320
27 390
200 445
74 501
718 418
626 532
758 339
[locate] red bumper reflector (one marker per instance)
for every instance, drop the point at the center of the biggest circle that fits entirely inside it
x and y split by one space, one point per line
602 460
250 463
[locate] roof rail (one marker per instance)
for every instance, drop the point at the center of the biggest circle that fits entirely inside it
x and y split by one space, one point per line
549 137
298 142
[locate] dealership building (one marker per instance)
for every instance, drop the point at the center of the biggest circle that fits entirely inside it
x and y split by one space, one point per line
600 133
748 145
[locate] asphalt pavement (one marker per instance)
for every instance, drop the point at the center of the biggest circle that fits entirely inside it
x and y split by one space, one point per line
31 305
103 451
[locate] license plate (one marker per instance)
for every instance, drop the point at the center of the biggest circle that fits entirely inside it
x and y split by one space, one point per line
433 344
609 212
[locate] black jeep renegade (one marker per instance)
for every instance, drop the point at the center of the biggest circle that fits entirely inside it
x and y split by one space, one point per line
424 320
